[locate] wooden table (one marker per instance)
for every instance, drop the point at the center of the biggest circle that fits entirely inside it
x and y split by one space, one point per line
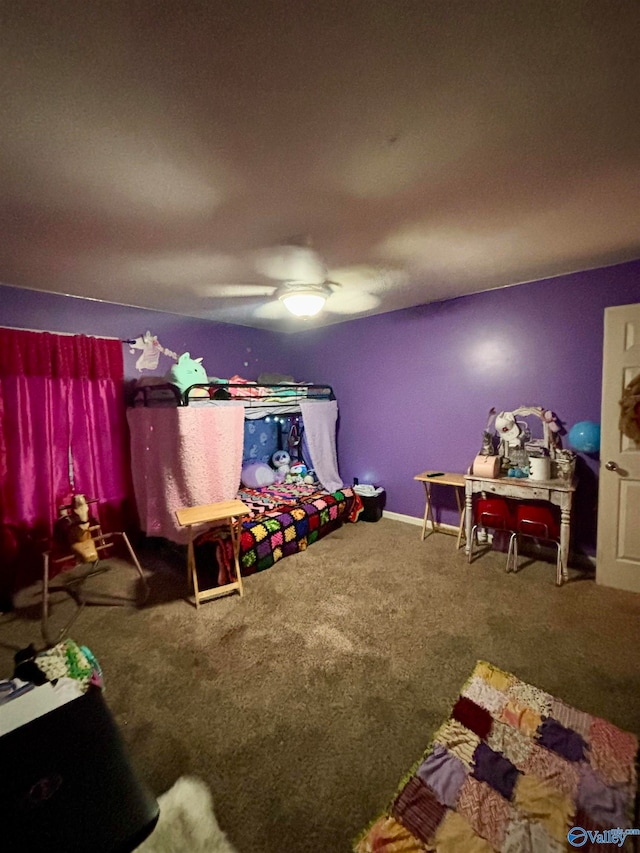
557 492
443 479
224 512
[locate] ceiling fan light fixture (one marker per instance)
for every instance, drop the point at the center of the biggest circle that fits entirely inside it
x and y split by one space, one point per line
304 300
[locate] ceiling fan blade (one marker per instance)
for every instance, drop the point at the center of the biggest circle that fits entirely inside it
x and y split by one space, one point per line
291 263
356 288
232 291
273 310
348 301
235 310
370 278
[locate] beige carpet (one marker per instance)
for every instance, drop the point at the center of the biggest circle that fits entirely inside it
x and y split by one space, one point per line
302 705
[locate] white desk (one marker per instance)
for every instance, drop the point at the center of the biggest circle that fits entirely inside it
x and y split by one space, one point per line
556 492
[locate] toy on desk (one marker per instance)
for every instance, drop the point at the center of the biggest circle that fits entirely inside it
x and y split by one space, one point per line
565 465
488 447
551 421
508 428
585 437
487 462
486 466
517 449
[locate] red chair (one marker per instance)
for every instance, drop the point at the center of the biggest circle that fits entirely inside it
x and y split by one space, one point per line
539 521
495 514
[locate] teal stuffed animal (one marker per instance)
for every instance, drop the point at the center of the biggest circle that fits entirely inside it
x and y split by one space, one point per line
187 372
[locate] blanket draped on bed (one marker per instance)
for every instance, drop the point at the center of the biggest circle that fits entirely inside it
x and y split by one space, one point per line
182 457
320 417
281 526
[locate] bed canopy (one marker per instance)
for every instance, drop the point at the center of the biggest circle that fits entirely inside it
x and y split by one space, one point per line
187 448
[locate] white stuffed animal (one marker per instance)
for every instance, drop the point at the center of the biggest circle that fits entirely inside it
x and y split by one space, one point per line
280 461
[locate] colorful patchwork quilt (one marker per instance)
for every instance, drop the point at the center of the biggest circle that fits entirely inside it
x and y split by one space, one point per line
274 499
514 770
301 517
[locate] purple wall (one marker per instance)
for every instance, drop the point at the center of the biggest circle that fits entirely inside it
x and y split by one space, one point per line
415 386
226 349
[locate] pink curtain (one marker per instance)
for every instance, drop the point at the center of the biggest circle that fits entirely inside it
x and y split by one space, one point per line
62 430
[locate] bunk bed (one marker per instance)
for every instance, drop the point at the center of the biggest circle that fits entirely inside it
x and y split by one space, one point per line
258 400
188 448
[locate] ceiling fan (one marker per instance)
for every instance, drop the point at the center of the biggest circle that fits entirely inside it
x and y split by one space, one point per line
302 283
305 284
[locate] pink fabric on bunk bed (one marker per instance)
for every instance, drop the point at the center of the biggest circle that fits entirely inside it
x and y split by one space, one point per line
184 456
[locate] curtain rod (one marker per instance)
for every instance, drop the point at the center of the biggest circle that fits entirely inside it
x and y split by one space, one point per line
68 334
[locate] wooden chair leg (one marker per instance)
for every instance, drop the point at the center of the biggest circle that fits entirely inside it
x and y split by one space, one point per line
235 527
132 554
474 530
192 572
428 512
559 567
462 510
512 553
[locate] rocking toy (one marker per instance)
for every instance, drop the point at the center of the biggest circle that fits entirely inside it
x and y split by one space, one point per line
81 541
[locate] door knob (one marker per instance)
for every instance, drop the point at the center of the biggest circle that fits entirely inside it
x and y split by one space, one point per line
611 466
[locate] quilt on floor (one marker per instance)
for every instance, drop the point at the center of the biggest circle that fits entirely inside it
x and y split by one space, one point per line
283 529
513 770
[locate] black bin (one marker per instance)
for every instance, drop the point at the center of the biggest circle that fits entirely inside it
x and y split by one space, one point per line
373 506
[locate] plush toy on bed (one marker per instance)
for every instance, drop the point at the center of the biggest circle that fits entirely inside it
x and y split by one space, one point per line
255 475
187 372
297 473
280 461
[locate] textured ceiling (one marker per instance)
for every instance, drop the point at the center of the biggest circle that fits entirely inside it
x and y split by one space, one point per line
151 150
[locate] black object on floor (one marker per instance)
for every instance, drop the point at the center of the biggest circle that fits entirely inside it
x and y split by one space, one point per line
373 506
26 667
67 786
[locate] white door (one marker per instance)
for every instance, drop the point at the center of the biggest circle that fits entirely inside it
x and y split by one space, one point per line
618 553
